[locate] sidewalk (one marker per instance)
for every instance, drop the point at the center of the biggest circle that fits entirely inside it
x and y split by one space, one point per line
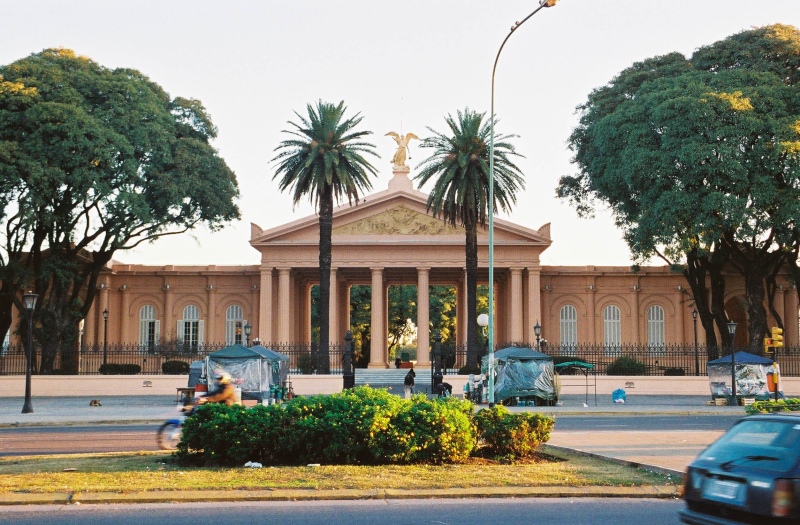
664 452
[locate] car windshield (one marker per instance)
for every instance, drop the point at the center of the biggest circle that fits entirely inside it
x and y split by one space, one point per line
762 443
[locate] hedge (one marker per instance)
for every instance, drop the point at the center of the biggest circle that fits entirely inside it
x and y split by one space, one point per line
361 426
113 369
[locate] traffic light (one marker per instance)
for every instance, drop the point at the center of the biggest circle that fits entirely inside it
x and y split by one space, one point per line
777 337
767 345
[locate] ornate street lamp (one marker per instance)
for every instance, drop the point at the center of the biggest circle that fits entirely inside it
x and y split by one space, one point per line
105 336
29 301
247 331
732 332
490 320
537 330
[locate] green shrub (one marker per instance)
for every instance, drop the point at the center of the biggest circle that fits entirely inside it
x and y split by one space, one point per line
511 435
781 405
175 368
626 366
307 364
358 426
113 369
674 372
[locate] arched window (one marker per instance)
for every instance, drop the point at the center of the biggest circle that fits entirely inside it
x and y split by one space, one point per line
190 328
149 329
612 329
655 329
234 325
568 322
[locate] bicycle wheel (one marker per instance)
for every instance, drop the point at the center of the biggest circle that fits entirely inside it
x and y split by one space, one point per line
168 436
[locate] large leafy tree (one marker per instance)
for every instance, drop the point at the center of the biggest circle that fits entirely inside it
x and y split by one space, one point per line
459 169
325 162
698 160
92 161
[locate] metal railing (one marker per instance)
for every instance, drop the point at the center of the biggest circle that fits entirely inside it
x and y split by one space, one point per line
150 360
668 360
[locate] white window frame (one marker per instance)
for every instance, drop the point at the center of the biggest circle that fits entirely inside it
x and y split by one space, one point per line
149 329
656 334
612 329
568 327
234 325
190 327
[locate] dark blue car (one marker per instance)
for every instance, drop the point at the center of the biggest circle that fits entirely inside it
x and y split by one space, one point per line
750 475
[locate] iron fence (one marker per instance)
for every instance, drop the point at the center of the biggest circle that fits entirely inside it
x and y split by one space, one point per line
152 360
669 360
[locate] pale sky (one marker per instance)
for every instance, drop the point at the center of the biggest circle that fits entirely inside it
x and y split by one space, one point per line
403 66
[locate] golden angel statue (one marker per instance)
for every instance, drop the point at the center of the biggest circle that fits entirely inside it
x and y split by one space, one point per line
399 159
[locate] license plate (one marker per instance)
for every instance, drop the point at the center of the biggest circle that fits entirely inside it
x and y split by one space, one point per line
722 489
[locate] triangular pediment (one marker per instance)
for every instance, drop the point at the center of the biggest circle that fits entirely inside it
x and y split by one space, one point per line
397 220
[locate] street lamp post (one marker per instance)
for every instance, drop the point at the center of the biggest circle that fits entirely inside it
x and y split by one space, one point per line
29 301
105 336
490 321
247 331
483 322
696 356
732 332
437 377
537 330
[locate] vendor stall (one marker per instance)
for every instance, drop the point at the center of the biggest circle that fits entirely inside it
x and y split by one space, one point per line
524 374
752 376
258 371
573 368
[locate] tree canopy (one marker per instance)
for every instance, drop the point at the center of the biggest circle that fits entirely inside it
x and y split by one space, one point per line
698 160
92 161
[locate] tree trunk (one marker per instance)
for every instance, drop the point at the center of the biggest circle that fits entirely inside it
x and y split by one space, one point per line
325 248
471 234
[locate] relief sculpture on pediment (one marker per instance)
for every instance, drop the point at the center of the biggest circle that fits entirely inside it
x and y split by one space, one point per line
397 221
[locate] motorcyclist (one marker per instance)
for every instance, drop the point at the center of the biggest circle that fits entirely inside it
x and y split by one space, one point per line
224 391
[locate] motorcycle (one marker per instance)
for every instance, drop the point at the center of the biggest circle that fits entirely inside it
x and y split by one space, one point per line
170 432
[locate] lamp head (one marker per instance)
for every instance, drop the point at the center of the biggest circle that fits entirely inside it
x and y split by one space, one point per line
105 314
732 328
248 329
483 320
537 329
694 314
29 301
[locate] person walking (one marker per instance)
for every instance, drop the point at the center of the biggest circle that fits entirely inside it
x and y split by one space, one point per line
408 383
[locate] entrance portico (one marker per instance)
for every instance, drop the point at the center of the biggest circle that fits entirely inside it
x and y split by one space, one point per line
390 239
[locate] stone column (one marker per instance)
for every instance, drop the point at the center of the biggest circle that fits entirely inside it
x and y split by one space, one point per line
636 335
335 337
211 335
680 312
264 330
102 305
284 306
169 319
591 321
423 317
125 316
377 355
534 306
517 324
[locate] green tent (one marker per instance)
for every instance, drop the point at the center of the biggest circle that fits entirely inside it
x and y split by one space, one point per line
522 372
254 369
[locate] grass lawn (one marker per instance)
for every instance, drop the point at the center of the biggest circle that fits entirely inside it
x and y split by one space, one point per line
157 471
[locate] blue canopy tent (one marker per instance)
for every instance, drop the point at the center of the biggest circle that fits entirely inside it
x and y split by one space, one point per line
522 373
256 369
751 375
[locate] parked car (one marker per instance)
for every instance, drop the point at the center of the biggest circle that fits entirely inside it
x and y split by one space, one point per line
750 475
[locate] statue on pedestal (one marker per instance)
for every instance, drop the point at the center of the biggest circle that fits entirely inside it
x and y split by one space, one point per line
399 159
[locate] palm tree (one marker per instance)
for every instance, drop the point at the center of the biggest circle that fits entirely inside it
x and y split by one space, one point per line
325 161
460 195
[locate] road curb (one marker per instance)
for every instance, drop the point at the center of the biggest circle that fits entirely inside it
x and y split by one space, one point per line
96 498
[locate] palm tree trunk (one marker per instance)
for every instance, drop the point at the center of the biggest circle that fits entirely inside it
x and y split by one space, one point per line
471 232
325 247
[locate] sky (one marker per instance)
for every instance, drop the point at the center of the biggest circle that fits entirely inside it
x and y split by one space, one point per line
403 67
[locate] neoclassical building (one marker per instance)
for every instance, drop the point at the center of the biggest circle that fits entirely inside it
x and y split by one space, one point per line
389 239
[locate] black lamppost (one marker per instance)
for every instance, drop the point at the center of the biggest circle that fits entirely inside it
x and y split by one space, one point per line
247 331
537 330
105 336
696 357
29 301
732 332
436 378
349 371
